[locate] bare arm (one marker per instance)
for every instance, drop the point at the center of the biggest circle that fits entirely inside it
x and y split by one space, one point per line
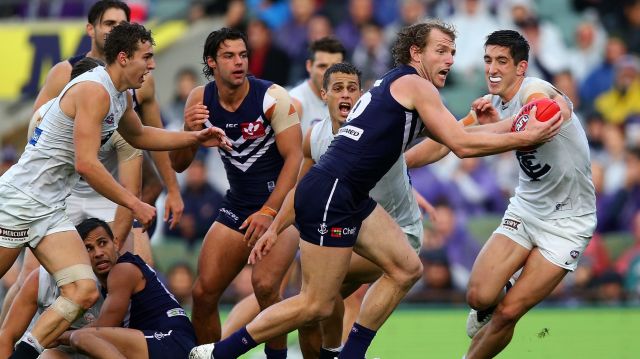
125 279
56 80
195 113
151 117
130 177
20 314
415 92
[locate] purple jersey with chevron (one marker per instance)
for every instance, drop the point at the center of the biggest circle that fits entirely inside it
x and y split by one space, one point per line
254 163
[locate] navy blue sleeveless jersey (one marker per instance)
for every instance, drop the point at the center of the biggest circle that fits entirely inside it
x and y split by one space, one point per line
154 307
377 132
254 163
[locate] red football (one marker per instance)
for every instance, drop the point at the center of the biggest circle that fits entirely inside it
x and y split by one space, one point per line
547 108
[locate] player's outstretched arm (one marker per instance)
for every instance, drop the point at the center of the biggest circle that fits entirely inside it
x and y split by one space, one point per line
22 310
195 115
416 92
130 177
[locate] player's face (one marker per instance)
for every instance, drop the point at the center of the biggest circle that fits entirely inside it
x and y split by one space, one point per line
98 33
140 64
501 72
342 93
317 68
231 63
102 251
436 58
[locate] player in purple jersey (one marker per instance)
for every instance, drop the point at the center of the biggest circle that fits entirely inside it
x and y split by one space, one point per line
331 207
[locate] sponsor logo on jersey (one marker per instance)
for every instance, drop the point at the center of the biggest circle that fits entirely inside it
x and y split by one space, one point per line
176 312
109 119
351 132
271 185
88 317
231 125
12 234
323 229
511 224
574 254
252 130
564 205
336 232
349 231
36 136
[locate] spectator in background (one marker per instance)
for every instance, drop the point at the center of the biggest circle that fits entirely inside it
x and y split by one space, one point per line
319 27
588 51
236 15
625 259
292 36
9 158
372 54
201 205
627 25
594 129
411 12
180 278
614 160
625 202
186 79
623 99
601 78
478 187
360 12
266 60
274 13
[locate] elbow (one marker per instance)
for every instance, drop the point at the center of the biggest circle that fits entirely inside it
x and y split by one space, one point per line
83 167
177 164
460 150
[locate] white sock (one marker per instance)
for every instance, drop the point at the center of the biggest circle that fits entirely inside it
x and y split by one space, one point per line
31 340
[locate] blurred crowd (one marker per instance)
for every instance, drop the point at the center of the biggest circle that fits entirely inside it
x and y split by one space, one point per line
587 48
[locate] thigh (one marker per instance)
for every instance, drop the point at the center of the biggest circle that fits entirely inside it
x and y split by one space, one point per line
60 250
142 245
131 343
223 254
382 242
273 267
7 257
361 271
499 258
323 270
538 279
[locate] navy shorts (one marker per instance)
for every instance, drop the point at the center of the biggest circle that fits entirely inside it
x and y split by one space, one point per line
173 343
328 212
233 216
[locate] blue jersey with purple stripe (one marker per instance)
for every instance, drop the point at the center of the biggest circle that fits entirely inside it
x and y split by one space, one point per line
254 163
376 133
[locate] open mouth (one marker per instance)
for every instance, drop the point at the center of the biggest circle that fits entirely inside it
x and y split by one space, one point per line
444 72
103 265
344 108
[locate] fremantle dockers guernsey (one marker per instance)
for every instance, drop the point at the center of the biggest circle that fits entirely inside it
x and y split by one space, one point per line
555 178
254 163
393 192
154 307
46 170
313 108
375 135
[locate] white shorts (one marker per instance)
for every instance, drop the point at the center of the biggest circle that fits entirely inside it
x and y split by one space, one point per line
81 208
415 233
561 241
25 221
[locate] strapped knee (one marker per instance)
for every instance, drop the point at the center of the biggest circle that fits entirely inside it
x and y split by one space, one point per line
67 308
73 273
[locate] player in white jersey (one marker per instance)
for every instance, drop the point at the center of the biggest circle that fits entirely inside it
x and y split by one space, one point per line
33 192
551 217
306 96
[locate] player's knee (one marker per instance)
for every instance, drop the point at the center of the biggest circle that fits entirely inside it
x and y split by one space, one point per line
409 273
266 291
479 299
83 292
317 310
508 315
79 339
204 292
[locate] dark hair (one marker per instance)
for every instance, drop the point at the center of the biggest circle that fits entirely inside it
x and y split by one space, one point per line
517 44
341 67
125 38
89 224
326 44
99 8
212 44
417 35
84 65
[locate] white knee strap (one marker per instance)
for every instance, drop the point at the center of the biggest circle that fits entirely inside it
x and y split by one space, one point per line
67 308
73 273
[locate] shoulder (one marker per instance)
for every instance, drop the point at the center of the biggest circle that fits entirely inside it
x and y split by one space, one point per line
411 89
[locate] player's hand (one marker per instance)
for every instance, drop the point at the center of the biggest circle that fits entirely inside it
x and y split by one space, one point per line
256 225
214 137
263 246
542 131
425 206
195 117
144 213
485 111
173 208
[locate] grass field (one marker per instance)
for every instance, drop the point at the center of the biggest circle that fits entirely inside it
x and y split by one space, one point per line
418 333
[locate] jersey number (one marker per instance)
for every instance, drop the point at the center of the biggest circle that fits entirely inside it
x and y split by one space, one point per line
362 103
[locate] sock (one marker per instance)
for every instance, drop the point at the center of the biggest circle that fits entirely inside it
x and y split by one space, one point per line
275 353
24 350
358 342
235 345
329 353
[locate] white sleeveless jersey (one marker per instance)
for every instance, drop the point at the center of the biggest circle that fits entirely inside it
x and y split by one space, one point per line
48 291
313 108
555 178
46 169
108 155
393 192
